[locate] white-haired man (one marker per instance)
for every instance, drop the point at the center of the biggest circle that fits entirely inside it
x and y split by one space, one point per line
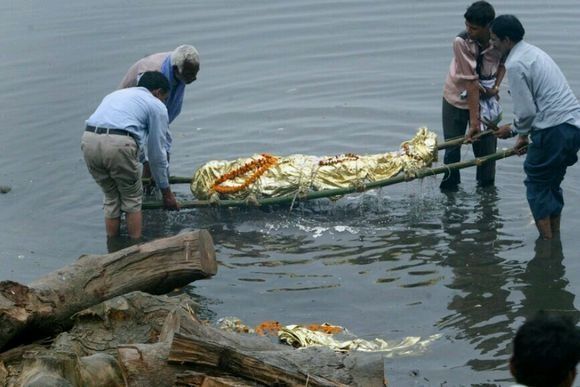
180 67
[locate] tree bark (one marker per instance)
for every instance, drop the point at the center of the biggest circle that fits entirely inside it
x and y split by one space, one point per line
44 307
216 357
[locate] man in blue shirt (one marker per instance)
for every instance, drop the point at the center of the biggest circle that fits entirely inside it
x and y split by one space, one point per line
127 121
545 112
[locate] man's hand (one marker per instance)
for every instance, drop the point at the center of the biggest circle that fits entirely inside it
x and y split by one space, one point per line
503 132
521 146
473 131
169 201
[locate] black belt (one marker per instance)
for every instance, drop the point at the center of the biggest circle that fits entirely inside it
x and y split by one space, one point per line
120 132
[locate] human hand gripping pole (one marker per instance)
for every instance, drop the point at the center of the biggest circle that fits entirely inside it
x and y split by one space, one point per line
521 146
506 131
503 132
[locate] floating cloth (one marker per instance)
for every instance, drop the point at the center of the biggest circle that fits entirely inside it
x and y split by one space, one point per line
298 174
298 336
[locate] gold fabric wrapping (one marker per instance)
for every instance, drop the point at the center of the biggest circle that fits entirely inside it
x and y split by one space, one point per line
300 173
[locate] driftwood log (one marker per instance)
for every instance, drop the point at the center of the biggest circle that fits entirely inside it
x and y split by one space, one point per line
44 307
144 340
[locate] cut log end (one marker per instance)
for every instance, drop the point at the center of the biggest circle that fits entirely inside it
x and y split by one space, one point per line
207 252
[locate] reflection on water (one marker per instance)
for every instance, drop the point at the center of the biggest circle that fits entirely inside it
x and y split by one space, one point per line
543 283
481 307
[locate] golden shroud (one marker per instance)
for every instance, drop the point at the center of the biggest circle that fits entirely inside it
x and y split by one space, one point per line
262 176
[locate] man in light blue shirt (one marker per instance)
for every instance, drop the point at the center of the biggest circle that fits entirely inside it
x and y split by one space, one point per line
546 112
127 121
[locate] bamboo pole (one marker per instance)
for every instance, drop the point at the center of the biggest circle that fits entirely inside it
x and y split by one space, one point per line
288 199
461 140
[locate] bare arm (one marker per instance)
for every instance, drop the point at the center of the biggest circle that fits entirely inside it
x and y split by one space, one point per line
473 105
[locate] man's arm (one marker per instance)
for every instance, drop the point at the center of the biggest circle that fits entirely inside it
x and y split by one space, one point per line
466 62
158 160
473 106
523 100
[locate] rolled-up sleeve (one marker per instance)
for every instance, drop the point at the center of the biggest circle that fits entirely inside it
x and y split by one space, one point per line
523 100
465 60
156 146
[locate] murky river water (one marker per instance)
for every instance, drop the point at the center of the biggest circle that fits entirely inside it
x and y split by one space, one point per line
313 77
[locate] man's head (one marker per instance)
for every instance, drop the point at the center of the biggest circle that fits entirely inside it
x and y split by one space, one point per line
546 350
185 62
506 32
477 19
156 83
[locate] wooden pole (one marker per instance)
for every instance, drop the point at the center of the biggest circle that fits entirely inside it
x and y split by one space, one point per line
458 141
288 199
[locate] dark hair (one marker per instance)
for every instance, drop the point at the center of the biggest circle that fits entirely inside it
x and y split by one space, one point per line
546 349
480 13
153 80
508 26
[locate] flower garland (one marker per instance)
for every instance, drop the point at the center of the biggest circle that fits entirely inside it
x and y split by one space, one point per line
260 166
338 159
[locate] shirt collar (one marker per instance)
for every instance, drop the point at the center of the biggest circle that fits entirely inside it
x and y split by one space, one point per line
513 52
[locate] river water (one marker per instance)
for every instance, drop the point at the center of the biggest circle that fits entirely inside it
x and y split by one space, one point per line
314 77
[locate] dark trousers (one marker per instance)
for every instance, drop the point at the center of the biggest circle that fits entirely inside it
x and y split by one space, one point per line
455 123
550 153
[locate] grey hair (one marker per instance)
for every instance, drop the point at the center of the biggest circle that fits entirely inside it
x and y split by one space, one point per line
182 54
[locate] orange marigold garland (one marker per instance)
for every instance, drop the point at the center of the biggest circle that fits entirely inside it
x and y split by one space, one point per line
338 159
260 166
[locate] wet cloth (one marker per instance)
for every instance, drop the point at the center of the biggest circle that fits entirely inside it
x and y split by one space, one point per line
299 336
300 174
331 336
489 108
550 153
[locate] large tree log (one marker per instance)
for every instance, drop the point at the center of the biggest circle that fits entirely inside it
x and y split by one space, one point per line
44 307
159 341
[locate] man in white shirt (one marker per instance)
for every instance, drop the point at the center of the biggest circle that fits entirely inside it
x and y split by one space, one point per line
546 112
